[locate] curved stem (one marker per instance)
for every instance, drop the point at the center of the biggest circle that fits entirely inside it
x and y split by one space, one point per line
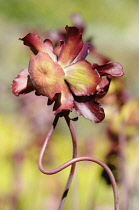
74 160
86 158
46 142
74 143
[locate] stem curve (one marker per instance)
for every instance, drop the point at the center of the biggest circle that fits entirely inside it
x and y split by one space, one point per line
74 155
74 160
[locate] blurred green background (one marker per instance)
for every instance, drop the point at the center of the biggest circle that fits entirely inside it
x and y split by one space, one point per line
114 28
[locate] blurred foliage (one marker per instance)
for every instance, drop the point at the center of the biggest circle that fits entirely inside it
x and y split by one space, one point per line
114 27
40 12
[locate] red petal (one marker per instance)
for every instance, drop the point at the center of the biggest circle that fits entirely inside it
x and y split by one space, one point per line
46 75
90 110
82 78
112 68
103 87
49 49
36 45
22 83
71 47
64 100
83 53
58 48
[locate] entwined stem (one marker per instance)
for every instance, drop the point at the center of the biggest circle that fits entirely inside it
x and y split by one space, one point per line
48 172
73 161
74 143
74 155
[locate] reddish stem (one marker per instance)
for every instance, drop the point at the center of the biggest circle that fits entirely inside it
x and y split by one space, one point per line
74 160
74 143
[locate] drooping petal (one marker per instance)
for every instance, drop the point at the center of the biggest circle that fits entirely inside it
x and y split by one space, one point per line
82 78
83 53
36 45
46 75
22 83
103 87
34 42
64 100
90 110
112 68
71 47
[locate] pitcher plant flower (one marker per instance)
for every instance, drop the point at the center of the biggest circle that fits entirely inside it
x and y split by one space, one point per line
67 79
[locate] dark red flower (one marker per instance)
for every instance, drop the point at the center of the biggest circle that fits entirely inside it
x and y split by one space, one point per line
64 76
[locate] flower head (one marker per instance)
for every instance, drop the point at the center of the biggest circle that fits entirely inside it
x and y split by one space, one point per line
63 75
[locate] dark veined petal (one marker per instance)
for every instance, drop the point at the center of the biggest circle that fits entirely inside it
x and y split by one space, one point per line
112 68
90 110
36 45
64 100
71 47
22 83
46 75
82 78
